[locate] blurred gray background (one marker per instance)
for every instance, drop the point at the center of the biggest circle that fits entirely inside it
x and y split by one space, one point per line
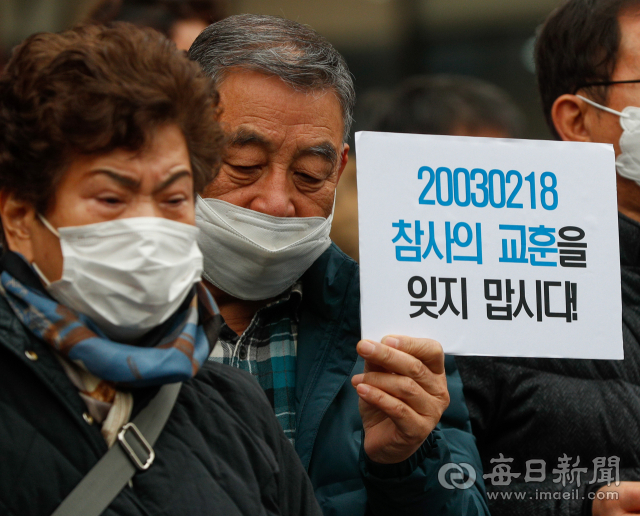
382 40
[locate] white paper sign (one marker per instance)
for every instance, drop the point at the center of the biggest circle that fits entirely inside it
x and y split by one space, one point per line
490 246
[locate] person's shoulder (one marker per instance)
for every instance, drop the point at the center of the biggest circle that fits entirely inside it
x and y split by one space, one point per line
233 390
230 382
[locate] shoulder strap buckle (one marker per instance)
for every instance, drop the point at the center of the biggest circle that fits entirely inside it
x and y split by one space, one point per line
142 444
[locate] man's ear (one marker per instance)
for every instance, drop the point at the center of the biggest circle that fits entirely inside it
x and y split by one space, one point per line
568 115
343 160
18 218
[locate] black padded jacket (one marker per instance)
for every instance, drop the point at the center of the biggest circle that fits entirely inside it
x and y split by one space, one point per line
545 409
222 451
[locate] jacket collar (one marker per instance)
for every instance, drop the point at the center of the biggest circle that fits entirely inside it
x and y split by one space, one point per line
37 355
328 332
16 265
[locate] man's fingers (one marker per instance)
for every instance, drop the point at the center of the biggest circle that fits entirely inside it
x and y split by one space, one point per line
409 423
628 493
382 357
370 367
404 388
407 390
428 351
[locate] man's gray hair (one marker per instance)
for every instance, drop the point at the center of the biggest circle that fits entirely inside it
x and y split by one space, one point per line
277 47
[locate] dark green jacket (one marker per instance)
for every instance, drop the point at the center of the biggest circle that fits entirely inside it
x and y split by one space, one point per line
329 428
222 451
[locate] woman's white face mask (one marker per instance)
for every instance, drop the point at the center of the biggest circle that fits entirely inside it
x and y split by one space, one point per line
127 275
254 256
628 162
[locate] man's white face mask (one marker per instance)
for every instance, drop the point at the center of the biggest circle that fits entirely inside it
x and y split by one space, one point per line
127 275
628 162
254 256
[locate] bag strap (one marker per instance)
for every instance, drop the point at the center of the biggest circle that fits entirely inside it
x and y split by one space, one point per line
133 451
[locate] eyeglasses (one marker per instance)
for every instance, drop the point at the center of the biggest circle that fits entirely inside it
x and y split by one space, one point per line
605 83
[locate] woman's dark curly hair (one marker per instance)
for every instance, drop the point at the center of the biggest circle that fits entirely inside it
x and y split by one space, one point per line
91 90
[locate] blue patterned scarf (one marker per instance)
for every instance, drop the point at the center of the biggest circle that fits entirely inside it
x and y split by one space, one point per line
172 352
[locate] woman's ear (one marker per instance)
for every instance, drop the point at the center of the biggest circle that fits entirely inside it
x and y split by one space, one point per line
18 219
568 115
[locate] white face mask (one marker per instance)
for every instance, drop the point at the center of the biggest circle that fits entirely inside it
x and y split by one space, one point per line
628 162
254 256
127 275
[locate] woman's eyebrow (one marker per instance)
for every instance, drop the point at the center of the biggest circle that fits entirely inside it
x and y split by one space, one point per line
125 180
132 184
172 179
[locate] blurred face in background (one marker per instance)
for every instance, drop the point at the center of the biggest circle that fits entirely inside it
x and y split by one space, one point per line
184 32
487 132
605 127
577 120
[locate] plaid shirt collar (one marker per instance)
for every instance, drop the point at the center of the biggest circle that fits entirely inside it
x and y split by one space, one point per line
291 297
267 349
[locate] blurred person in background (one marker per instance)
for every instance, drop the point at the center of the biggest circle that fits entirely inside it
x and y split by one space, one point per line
580 417
3 58
179 20
449 104
107 136
427 104
364 426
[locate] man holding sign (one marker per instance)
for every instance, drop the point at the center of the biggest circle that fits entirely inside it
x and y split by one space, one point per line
290 300
576 419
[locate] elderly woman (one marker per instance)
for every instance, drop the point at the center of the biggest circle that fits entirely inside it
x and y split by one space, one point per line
107 135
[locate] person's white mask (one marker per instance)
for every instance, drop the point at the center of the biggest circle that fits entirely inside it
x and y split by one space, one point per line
628 162
254 256
127 275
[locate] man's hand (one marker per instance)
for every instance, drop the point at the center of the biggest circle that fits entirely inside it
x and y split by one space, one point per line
617 500
403 393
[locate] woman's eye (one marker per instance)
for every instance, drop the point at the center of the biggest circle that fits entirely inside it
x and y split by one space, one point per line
175 201
111 200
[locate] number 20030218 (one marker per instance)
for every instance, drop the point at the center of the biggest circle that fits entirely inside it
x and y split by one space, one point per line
480 188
